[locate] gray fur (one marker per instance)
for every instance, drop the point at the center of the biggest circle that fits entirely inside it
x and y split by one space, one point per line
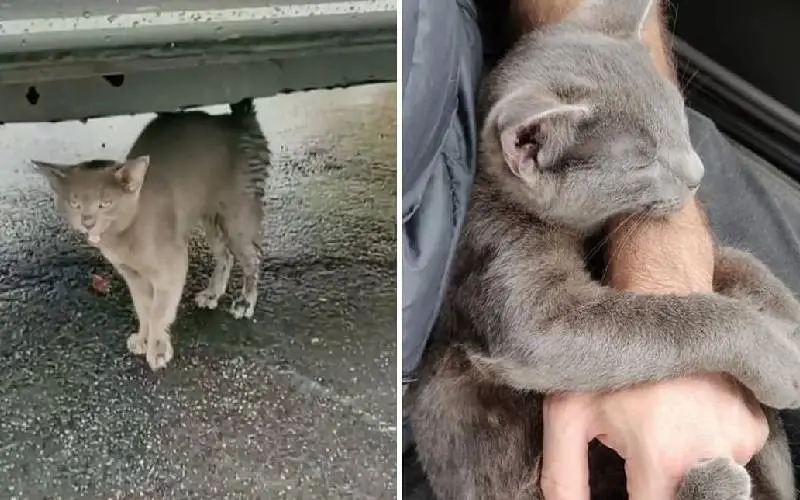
578 128
184 169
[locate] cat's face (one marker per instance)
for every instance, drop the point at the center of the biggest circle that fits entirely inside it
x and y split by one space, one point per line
587 129
97 195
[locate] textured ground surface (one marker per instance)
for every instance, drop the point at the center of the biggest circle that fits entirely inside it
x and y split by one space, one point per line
299 404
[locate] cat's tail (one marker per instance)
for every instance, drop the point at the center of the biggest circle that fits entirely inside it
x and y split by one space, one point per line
253 145
244 110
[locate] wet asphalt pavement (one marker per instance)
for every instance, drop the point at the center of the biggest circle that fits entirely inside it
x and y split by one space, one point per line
298 404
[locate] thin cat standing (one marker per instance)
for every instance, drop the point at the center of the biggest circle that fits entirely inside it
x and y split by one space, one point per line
184 169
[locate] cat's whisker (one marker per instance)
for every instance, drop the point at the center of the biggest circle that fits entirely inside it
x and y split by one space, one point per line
605 239
685 84
637 221
702 141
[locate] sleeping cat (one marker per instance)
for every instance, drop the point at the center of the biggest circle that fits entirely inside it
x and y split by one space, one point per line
579 128
184 169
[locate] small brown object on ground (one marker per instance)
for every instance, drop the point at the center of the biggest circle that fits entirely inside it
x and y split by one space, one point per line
100 284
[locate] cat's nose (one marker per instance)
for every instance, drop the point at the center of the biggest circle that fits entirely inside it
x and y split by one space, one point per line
88 222
691 171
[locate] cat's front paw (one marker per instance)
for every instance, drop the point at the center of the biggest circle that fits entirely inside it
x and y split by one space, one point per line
242 308
207 299
773 366
716 479
159 351
137 343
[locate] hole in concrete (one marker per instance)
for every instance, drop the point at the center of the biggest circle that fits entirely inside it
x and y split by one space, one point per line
115 80
32 95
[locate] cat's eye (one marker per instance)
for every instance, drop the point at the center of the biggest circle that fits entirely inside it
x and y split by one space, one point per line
105 203
74 203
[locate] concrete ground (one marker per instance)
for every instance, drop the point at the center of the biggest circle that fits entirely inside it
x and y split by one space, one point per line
299 404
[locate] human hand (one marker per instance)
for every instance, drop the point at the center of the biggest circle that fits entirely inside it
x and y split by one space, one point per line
661 430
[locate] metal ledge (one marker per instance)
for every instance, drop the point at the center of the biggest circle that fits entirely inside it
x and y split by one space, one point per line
43 25
169 89
52 66
31 68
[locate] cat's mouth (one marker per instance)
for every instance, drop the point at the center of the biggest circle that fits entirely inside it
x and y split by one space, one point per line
93 237
664 207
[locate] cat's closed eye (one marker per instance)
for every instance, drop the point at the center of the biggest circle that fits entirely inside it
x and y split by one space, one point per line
74 203
105 203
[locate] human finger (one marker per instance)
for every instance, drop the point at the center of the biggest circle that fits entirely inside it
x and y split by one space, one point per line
565 450
646 482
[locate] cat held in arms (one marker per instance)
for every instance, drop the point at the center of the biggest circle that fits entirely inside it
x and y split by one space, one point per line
578 127
184 169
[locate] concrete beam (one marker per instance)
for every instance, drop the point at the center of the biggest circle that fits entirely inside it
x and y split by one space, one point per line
77 59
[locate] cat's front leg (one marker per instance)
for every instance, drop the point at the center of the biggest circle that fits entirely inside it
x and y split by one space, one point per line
141 291
609 340
167 291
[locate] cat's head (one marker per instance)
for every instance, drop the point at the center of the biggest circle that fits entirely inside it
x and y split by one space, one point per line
97 195
580 126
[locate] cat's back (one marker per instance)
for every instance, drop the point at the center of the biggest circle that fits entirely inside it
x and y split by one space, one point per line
188 147
195 166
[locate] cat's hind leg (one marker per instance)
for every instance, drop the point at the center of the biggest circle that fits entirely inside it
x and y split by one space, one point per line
475 440
740 275
716 479
771 469
242 225
223 261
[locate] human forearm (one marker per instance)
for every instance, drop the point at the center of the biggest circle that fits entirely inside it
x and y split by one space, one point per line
671 255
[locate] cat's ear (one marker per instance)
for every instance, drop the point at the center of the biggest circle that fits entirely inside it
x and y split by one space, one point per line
536 130
620 18
53 172
131 174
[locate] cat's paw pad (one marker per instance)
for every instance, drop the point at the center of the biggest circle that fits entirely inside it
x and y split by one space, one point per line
718 478
137 344
206 299
159 352
242 308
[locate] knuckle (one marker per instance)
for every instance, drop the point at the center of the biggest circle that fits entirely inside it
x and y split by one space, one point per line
673 465
553 489
762 433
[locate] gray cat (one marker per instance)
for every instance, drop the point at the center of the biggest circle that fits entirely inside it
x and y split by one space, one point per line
579 127
184 169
